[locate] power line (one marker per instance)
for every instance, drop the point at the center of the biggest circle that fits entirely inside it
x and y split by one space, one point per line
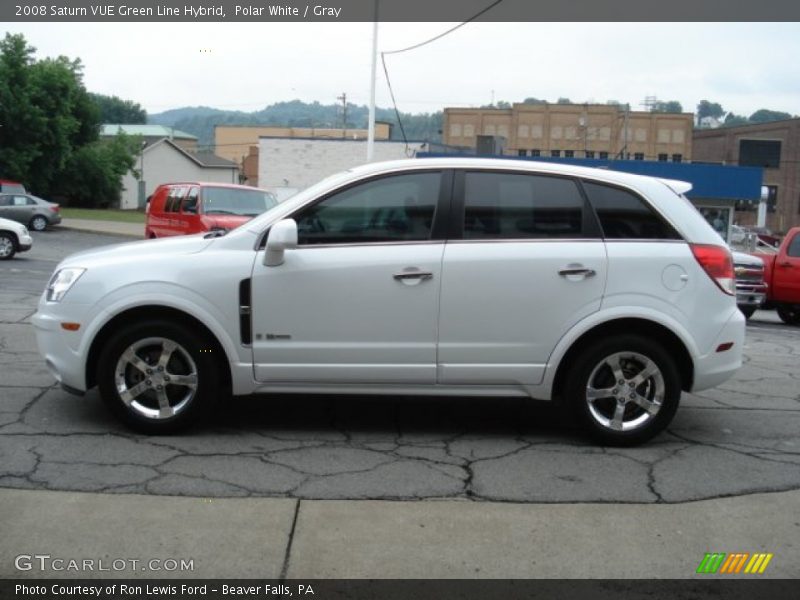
414 47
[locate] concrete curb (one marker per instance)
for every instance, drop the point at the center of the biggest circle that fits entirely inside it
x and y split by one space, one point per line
135 230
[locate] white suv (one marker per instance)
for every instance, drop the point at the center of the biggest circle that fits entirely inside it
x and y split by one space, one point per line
464 277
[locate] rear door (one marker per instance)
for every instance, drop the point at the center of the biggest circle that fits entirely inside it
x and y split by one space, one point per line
786 274
525 262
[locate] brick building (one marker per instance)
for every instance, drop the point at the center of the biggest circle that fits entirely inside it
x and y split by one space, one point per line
774 146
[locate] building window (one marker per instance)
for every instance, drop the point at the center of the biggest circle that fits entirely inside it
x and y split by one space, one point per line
569 153
760 153
455 130
604 156
536 152
555 153
772 198
663 157
677 157
638 156
469 130
590 154
522 153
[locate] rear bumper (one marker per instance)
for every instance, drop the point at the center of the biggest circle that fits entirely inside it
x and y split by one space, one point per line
718 366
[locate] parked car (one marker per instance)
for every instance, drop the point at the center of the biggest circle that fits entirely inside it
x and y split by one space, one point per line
766 236
35 212
13 238
782 274
11 187
466 277
751 289
184 208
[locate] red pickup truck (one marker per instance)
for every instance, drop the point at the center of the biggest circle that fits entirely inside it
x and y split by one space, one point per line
782 275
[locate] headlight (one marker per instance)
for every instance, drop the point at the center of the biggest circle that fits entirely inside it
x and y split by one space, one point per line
60 283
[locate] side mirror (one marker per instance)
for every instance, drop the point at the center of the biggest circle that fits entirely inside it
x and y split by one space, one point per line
282 236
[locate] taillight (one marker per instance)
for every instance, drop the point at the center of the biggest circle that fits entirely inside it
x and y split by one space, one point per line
718 265
55 207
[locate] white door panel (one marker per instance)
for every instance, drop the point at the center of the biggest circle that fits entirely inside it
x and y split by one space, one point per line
505 306
339 314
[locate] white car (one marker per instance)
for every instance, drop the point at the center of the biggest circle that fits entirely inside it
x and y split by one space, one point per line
14 237
455 276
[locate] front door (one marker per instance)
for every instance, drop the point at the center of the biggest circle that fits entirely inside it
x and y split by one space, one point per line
358 300
786 273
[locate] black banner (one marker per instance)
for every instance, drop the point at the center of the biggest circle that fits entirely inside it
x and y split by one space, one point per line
397 10
734 588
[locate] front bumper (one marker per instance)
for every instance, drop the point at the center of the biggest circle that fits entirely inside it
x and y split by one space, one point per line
59 347
751 295
25 243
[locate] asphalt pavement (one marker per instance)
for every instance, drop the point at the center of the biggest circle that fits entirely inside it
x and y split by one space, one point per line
392 487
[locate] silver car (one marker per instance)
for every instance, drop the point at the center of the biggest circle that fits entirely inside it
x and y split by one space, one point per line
36 213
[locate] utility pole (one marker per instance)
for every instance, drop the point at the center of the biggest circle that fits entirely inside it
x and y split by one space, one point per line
371 120
343 98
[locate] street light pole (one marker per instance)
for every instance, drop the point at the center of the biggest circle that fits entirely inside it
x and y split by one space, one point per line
371 123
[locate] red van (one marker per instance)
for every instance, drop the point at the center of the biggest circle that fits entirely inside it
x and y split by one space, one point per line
184 208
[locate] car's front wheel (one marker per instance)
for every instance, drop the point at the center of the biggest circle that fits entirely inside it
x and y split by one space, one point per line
624 389
789 313
8 246
748 311
38 223
158 376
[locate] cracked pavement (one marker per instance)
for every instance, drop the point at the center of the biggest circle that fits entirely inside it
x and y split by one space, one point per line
740 438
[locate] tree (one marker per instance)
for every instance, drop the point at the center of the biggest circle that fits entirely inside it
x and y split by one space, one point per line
93 173
764 116
670 106
563 101
709 109
732 120
50 125
116 110
534 101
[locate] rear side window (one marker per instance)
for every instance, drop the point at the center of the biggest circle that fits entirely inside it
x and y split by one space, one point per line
190 202
624 215
517 206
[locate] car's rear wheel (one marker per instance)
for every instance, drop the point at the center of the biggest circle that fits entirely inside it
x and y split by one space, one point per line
38 223
789 313
158 376
624 389
8 246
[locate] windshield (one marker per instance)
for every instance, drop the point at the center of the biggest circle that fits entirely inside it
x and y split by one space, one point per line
236 201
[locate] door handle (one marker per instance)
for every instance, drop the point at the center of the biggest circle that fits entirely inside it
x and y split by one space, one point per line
576 270
785 264
406 275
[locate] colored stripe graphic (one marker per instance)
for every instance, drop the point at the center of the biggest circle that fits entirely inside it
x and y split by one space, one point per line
735 562
711 562
758 564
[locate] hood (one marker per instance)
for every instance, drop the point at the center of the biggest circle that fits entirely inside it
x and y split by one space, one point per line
740 258
12 225
119 253
225 221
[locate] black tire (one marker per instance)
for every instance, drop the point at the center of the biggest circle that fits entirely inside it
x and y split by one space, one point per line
8 246
789 313
193 357
38 223
748 311
629 353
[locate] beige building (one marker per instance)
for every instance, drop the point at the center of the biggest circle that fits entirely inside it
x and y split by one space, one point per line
773 146
574 131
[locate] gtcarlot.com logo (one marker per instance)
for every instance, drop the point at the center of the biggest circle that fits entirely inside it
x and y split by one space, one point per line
734 563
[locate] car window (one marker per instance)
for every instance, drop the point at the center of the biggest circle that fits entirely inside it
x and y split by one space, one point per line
21 201
31 202
5 200
517 206
190 202
244 202
624 215
390 209
794 246
175 196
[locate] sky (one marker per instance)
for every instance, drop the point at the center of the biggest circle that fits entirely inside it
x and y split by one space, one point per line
247 66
